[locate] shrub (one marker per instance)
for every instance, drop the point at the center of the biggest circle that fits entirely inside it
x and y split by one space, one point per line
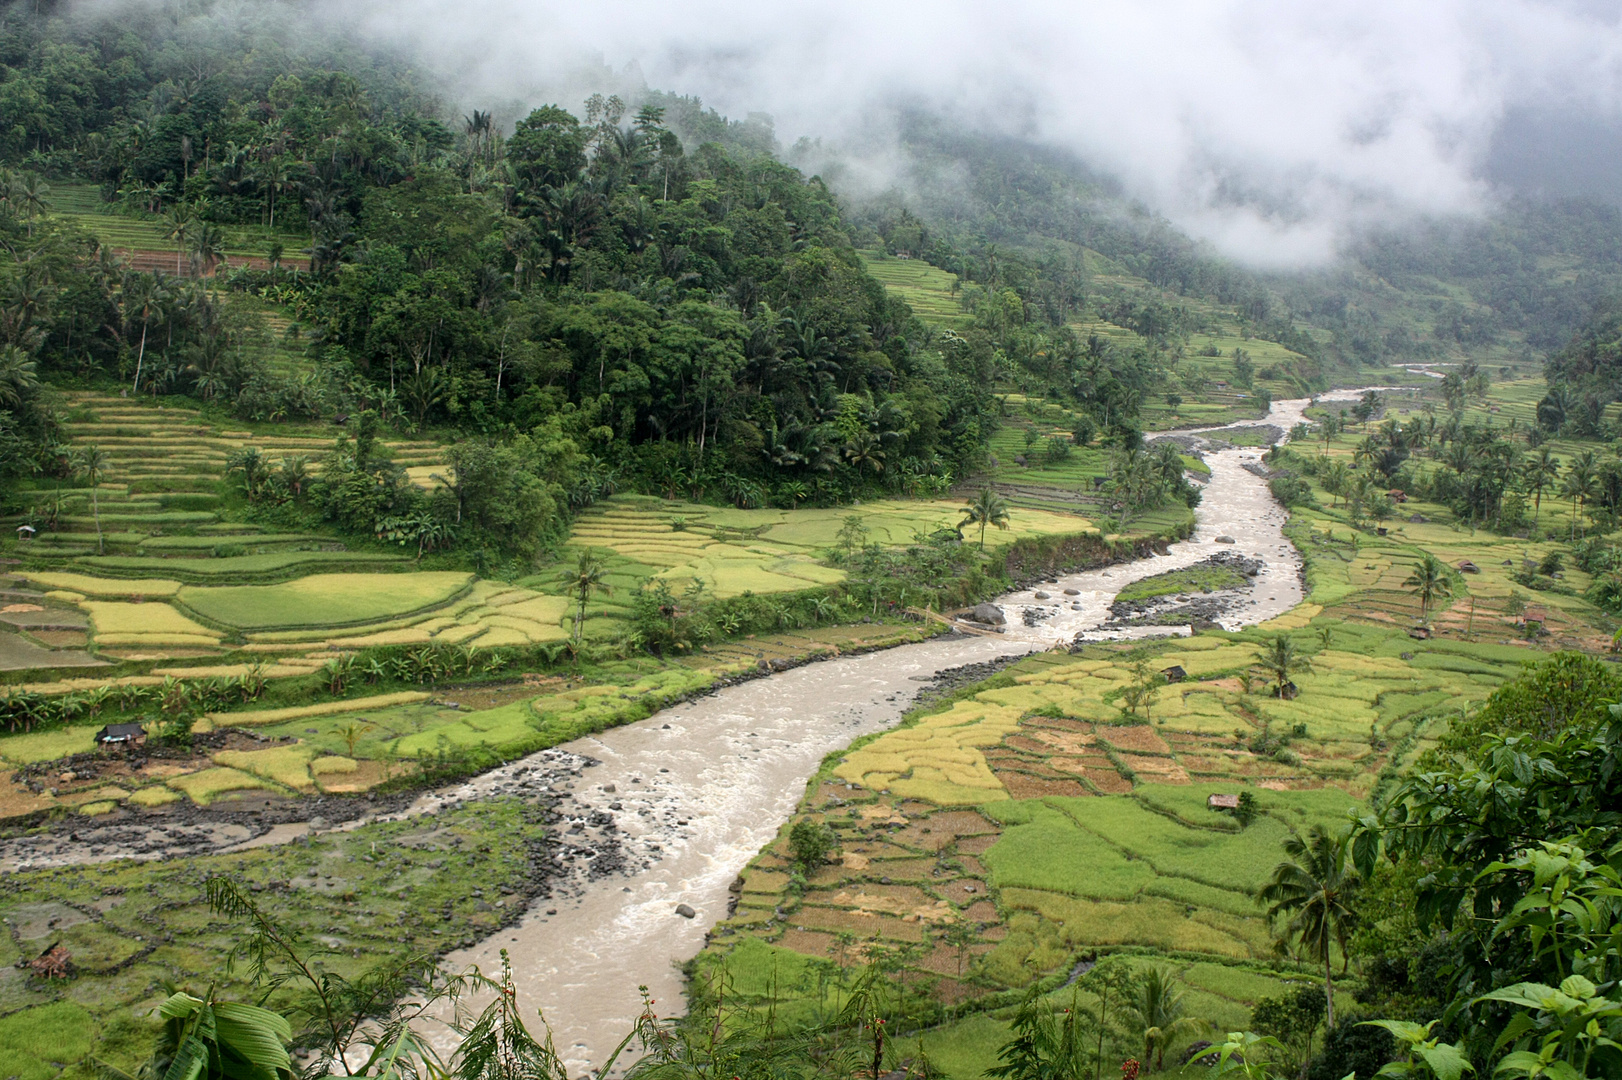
811 842
1292 491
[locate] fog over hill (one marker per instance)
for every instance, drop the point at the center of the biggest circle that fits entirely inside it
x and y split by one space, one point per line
1270 129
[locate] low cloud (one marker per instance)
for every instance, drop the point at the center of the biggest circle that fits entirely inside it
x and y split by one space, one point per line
1269 127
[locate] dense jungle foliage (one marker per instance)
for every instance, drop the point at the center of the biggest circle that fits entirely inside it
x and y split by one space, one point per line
587 303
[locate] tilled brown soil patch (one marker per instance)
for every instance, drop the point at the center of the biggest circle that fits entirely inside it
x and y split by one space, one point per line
1141 739
974 845
843 921
963 890
1022 785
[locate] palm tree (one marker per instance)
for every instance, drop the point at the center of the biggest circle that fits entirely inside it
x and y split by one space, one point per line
986 508
586 578
1158 1006
1459 456
19 377
92 461
1313 890
863 451
1335 479
296 473
1169 464
1579 484
1280 660
1430 581
207 247
179 230
1538 472
29 192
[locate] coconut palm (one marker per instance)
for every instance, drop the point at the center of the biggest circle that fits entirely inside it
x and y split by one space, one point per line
1313 891
588 576
1280 660
863 451
178 228
1335 480
1578 486
206 246
29 193
296 473
1459 457
1158 1006
1429 581
1169 464
1539 472
19 377
986 508
93 461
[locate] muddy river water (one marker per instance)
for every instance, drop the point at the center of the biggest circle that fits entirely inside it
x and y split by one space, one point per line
697 790
664 814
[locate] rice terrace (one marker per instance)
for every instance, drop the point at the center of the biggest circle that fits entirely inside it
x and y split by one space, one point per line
596 589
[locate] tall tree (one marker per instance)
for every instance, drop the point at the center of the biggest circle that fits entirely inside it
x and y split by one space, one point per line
588 577
92 461
1280 659
1539 472
1581 478
1158 1006
1429 582
1313 892
986 508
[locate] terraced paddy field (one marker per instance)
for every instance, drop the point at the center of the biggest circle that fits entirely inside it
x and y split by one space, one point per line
353 744
140 239
932 292
995 840
132 927
1359 573
732 552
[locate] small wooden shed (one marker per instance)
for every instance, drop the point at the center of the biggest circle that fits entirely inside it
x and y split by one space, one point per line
1175 673
1222 802
121 735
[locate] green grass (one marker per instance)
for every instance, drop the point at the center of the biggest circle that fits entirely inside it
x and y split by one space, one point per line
322 600
928 290
273 564
1193 580
421 894
82 204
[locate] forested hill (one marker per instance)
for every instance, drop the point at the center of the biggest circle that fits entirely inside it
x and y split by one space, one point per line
639 294
1510 288
613 307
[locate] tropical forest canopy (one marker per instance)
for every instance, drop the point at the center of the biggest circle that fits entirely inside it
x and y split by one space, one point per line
637 293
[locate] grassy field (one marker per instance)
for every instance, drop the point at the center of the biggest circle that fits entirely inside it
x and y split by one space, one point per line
133 927
1053 824
82 205
931 291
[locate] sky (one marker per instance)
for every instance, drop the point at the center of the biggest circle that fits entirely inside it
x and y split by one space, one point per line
1272 128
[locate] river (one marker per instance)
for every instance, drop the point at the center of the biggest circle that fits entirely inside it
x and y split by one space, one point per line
697 790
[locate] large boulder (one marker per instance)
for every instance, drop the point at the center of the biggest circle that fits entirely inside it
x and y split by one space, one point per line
986 615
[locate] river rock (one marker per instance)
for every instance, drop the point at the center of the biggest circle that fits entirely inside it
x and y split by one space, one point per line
1072 592
988 614
1044 596
1226 540
686 911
